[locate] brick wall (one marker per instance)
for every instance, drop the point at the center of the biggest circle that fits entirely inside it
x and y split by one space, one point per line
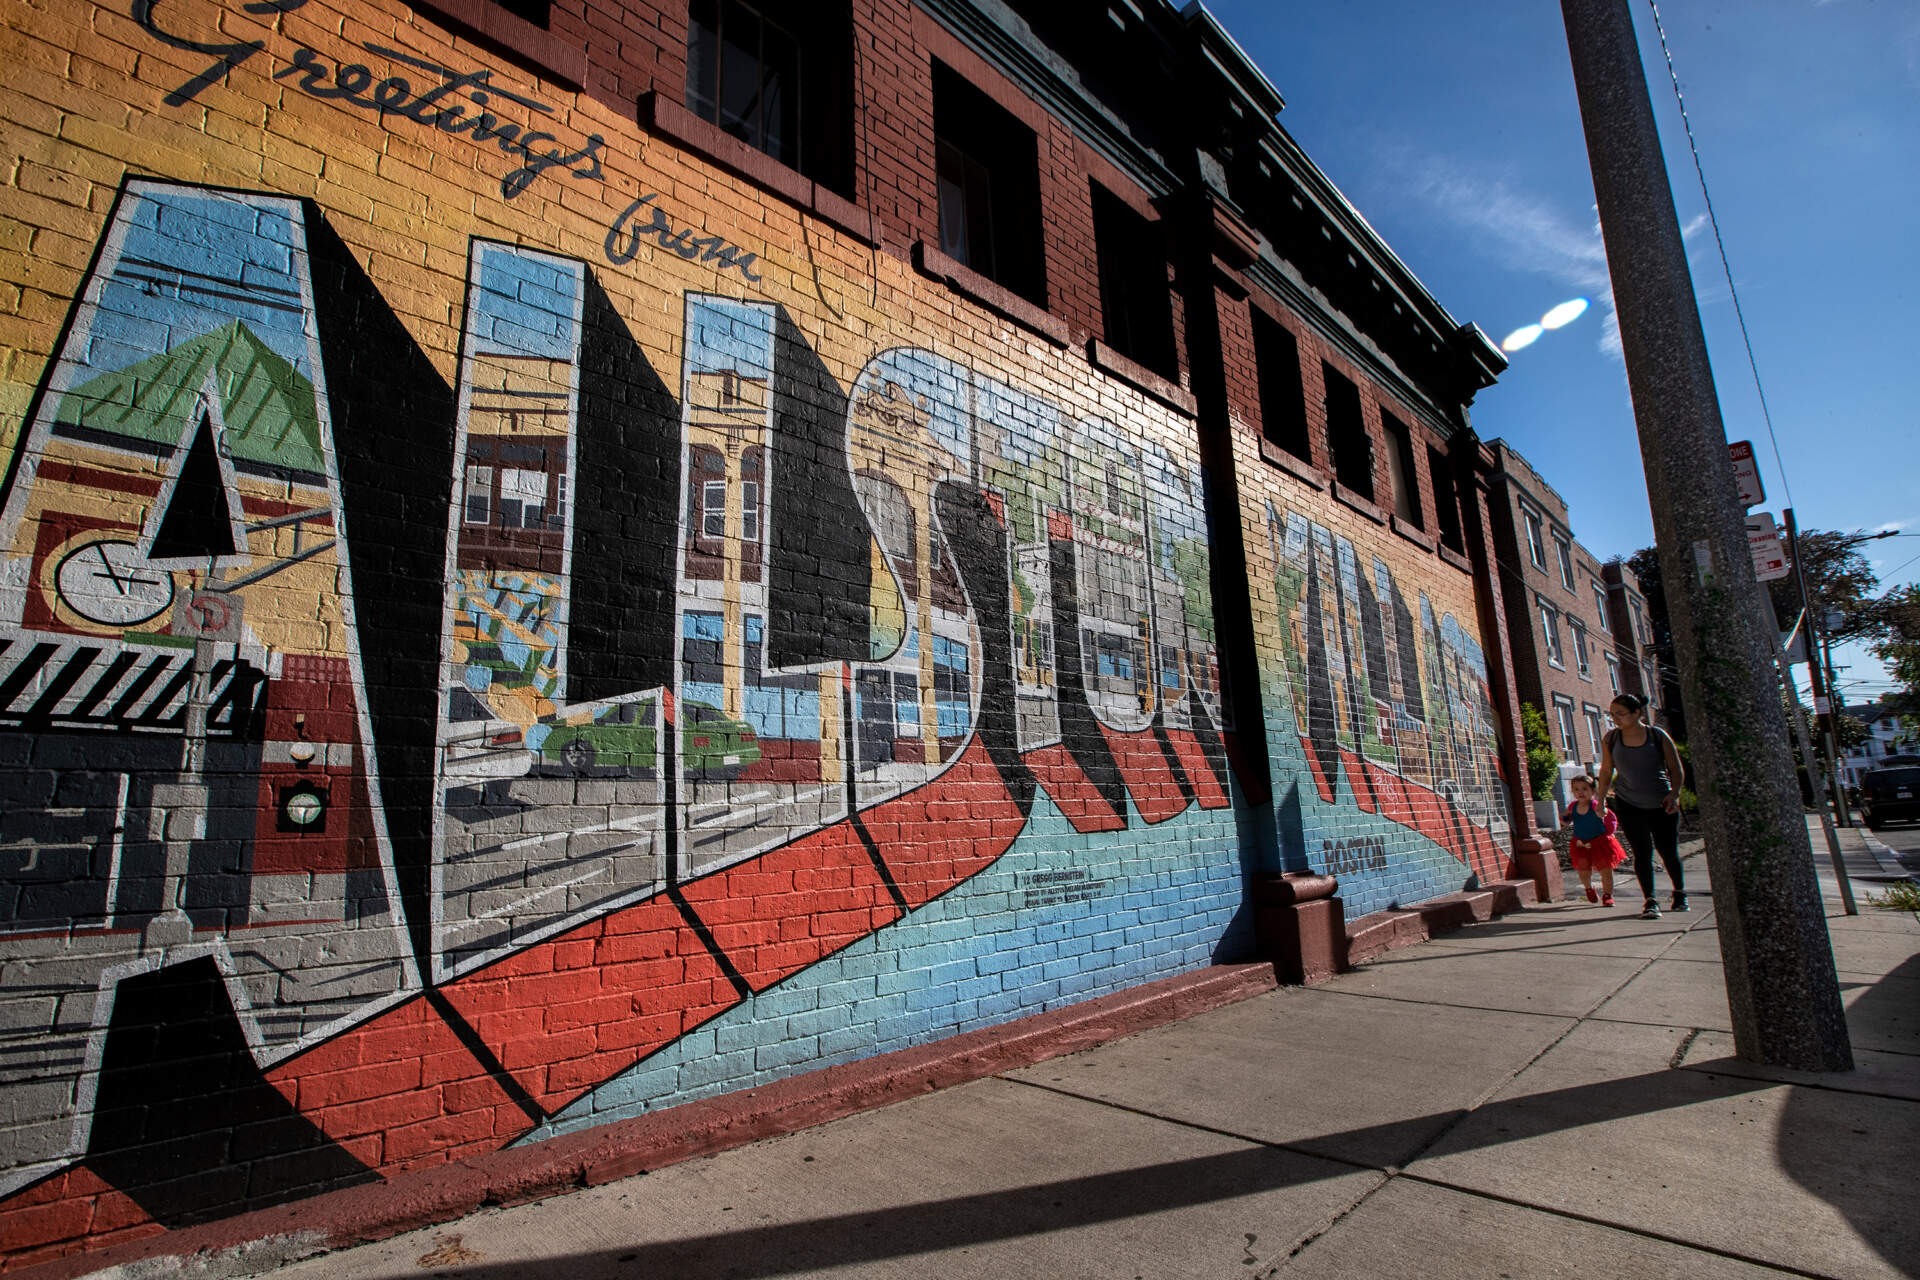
1381 729
510 624
1517 489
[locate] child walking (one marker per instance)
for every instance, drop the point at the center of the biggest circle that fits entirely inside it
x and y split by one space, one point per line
1593 843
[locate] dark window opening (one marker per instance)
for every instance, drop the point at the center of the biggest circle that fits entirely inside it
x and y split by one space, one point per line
1283 398
1347 434
1400 469
1446 501
775 76
988 170
1134 297
535 11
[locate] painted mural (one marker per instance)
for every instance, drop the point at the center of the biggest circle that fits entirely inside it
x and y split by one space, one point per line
199 842
1380 724
177 646
486 650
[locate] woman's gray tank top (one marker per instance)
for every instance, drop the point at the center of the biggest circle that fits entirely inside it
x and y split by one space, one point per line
1640 773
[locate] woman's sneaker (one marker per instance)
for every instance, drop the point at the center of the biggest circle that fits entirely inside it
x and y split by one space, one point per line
1591 895
1680 903
1607 901
1651 911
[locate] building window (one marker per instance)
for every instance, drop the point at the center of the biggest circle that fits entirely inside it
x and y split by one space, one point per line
479 495
775 76
750 511
989 184
1116 493
1564 551
538 12
1347 433
1639 622
1595 730
713 509
1283 399
523 498
1400 469
1613 674
1536 539
1600 605
1446 500
1570 742
1135 301
1550 628
1580 659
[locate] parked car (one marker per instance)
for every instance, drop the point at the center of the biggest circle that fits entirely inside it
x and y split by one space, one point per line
624 736
1890 795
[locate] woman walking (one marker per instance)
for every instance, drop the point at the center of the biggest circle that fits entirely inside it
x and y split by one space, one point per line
1641 763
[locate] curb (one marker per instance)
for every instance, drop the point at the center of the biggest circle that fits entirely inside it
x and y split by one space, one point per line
1885 857
250 1243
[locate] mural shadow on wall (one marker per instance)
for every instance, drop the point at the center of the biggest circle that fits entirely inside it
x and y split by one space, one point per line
822 575
393 417
184 1123
626 527
960 1222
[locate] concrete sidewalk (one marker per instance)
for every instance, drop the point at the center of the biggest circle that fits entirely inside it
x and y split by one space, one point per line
1550 1093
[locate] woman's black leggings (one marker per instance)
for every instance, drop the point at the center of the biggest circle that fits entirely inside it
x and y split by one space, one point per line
1645 830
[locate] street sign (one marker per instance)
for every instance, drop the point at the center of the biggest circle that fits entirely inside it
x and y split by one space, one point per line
1763 539
1746 474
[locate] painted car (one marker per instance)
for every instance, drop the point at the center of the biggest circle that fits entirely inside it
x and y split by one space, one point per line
482 748
625 736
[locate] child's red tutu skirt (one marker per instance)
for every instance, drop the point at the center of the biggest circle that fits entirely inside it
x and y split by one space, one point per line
1604 851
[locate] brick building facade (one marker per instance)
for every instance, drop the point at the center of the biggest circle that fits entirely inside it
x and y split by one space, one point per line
563 560
1566 650
1630 622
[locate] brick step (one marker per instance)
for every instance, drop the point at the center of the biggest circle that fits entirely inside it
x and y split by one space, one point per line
1370 935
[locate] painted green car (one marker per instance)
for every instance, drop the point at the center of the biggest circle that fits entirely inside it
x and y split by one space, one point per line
623 737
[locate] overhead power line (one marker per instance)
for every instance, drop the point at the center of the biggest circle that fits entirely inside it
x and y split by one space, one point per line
1725 266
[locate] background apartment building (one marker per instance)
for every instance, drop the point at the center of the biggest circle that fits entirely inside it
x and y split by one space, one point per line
1571 652
1888 734
1640 668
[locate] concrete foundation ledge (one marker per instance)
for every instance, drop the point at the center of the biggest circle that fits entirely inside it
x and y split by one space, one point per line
251 1243
1512 895
1455 911
1371 935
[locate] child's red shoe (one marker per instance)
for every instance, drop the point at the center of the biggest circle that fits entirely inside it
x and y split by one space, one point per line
1607 901
1591 895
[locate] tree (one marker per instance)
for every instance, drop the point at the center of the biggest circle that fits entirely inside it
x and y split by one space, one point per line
1851 731
1542 763
1899 648
1838 579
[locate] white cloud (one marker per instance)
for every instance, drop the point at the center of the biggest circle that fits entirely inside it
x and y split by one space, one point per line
1517 228
1524 231
1890 526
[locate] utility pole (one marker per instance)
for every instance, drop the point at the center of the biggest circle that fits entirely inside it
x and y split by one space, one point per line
1821 683
1782 991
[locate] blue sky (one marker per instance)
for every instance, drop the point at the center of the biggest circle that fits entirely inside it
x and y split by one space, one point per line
1454 129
